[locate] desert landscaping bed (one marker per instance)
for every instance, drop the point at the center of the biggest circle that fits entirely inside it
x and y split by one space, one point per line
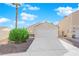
16 48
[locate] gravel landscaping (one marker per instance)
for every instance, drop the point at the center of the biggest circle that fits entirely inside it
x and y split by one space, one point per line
16 48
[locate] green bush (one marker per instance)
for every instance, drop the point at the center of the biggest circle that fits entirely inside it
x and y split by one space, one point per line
18 35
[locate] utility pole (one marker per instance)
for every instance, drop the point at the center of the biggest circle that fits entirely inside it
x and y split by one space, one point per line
17 5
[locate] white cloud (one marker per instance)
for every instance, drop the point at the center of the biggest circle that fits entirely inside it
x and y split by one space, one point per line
2 20
26 16
11 26
65 11
19 22
56 22
32 7
24 9
10 4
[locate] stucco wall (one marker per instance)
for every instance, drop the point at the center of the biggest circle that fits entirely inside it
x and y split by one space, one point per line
66 26
68 23
44 25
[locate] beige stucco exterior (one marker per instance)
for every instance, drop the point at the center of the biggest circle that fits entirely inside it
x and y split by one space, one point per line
4 33
69 25
44 25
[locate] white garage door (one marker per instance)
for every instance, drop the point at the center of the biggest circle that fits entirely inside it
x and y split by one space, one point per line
42 32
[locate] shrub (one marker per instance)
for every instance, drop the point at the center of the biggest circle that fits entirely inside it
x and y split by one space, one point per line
18 35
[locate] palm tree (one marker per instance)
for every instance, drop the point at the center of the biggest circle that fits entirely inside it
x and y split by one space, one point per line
16 23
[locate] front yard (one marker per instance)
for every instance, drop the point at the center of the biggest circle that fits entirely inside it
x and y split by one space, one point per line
10 45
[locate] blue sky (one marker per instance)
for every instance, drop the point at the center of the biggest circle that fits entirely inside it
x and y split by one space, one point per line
31 13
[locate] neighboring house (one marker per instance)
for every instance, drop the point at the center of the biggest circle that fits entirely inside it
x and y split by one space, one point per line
45 25
4 32
69 26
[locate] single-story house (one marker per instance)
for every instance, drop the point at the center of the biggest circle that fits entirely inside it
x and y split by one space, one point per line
43 25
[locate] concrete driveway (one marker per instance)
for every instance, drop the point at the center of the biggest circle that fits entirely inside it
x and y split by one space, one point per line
46 43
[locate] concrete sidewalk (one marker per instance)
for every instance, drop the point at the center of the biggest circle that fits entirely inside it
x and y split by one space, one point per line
72 50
